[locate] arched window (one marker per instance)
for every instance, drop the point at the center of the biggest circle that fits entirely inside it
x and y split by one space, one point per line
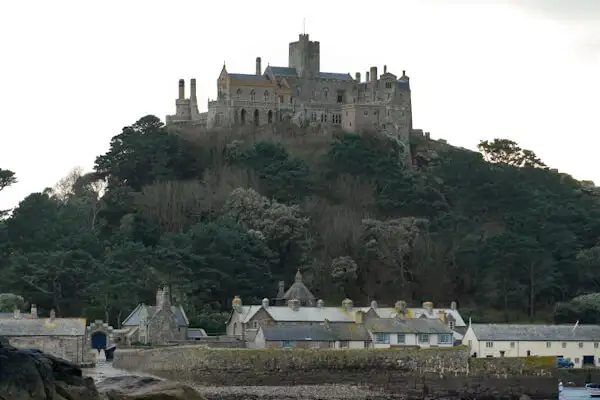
252 95
325 93
266 95
238 93
298 90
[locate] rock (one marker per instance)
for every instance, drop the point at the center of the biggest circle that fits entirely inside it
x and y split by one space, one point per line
33 375
133 387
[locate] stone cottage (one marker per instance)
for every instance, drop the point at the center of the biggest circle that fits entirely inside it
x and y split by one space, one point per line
61 337
158 324
298 306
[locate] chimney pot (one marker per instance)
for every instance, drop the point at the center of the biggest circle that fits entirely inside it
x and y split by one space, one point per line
52 315
34 311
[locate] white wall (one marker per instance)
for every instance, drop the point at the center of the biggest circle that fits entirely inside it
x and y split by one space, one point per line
411 339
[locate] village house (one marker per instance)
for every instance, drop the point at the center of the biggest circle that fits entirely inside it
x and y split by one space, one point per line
298 306
577 343
61 337
394 332
158 324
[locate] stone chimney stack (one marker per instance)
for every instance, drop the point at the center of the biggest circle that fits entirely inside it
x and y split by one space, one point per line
265 303
320 304
281 290
166 302
52 315
236 304
374 305
374 76
428 306
193 89
385 69
258 66
367 77
34 314
442 316
181 89
359 317
358 77
17 313
159 298
347 305
294 304
453 306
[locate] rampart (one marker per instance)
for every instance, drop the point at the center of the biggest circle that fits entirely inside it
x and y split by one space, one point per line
394 373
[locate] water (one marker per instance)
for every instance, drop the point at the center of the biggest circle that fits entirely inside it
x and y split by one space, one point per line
574 393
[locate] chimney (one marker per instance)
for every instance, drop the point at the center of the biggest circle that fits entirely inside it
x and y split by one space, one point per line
359 317
34 311
258 68
358 77
367 77
294 304
181 89
265 303
347 305
374 305
400 307
326 323
453 306
193 89
385 69
320 304
374 76
442 316
52 315
236 304
428 306
166 302
159 298
17 313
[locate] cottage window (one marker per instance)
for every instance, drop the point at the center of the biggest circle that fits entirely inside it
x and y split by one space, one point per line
423 337
344 344
314 345
596 345
255 324
340 97
576 360
287 344
548 345
382 338
564 345
368 345
580 345
445 338
512 345
489 345
401 338
388 85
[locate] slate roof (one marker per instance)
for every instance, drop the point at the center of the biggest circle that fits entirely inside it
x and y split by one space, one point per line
335 75
390 312
284 71
350 332
393 325
194 333
303 314
531 332
134 318
248 77
298 333
403 84
43 327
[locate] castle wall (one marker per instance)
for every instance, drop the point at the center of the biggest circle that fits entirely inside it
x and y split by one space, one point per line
415 374
70 348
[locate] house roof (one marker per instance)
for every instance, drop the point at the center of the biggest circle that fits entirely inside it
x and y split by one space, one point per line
299 291
350 332
248 77
134 318
283 71
531 332
298 333
394 325
335 75
43 327
390 312
303 314
196 333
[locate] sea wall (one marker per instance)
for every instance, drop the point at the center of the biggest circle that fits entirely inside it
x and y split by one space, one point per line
399 373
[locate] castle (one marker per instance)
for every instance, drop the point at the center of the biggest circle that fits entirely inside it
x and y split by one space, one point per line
302 93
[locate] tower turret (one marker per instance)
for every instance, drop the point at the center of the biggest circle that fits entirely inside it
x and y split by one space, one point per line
305 57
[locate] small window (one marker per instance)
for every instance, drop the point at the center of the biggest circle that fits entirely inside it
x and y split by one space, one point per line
489 345
325 94
596 345
580 345
576 361
252 96
366 113
445 338
281 99
344 344
382 338
340 97
451 323
238 93
512 345
501 353
287 344
423 338
548 345
314 345
255 324
401 338
388 85
368 345
291 99
564 345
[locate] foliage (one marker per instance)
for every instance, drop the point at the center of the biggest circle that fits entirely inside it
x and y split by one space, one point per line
219 215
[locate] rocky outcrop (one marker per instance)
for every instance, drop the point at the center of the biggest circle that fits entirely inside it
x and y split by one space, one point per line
33 375
145 388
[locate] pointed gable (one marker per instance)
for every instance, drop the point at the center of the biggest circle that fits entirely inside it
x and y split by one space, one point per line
299 291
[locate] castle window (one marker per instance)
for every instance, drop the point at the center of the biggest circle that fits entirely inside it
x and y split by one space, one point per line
238 93
366 113
389 96
298 90
291 99
388 113
340 97
281 99
325 93
252 95
325 117
313 117
266 95
388 85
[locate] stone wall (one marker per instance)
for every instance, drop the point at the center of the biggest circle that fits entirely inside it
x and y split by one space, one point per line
578 376
401 373
71 348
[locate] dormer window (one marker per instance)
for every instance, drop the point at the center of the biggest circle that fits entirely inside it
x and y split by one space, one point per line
451 324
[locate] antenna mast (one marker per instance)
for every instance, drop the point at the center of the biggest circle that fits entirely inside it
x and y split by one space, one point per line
304 26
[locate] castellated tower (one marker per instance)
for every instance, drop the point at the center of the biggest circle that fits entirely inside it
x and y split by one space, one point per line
305 57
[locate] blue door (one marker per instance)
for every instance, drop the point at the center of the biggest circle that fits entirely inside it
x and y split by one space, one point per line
99 340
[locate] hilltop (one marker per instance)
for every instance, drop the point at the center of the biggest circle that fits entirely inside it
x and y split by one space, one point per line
225 213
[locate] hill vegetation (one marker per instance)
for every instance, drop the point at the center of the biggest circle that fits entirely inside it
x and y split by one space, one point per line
231 213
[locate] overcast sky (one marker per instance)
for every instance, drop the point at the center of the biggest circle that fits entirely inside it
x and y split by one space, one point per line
73 73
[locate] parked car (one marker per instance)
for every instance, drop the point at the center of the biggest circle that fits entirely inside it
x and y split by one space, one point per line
564 363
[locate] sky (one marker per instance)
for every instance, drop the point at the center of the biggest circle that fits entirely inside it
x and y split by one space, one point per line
74 73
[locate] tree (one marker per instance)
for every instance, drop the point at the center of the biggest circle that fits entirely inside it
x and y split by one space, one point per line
7 178
506 151
10 302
